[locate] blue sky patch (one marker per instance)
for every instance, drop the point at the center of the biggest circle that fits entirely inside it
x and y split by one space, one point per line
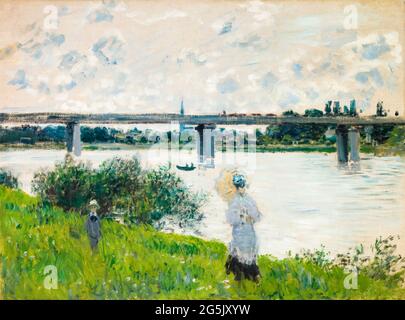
374 75
289 100
226 28
297 68
19 80
228 85
374 50
100 16
269 80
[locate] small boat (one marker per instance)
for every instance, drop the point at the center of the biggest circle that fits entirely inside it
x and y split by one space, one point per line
186 167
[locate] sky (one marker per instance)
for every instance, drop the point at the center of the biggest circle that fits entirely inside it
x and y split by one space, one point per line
237 56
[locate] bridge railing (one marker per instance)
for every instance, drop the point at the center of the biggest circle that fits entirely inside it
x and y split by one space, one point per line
193 119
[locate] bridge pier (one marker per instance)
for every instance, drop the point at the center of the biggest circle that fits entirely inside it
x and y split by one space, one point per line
73 142
342 144
347 139
369 130
206 144
354 140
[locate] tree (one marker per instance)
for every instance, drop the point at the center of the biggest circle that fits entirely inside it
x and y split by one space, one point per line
346 110
296 132
102 134
53 133
336 108
313 113
353 111
259 136
381 133
380 112
328 109
87 135
290 113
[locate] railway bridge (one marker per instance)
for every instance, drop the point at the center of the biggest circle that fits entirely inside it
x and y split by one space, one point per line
347 128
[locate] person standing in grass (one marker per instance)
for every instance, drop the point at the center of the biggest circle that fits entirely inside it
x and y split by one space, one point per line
242 214
93 226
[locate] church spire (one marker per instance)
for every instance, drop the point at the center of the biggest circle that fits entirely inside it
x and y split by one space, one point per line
182 107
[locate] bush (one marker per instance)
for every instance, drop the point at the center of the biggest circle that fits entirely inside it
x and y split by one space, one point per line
117 182
384 264
7 179
120 187
67 186
168 195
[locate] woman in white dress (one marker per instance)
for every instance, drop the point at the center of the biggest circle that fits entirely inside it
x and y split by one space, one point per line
242 214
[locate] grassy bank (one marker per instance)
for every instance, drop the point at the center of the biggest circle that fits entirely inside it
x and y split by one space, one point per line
296 148
38 145
121 146
141 263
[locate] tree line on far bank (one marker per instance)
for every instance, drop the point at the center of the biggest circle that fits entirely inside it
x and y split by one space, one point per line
56 134
273 134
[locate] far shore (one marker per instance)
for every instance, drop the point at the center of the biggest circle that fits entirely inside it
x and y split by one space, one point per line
381 150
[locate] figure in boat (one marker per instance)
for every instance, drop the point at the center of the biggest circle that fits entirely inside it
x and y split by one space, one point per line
187 167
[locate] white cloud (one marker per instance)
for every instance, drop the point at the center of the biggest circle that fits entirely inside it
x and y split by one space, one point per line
142 18
249 66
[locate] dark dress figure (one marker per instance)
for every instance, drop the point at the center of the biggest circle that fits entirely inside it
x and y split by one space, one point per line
93 228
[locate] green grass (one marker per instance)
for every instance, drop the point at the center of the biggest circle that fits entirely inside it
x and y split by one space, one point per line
37 145
296 148
141 263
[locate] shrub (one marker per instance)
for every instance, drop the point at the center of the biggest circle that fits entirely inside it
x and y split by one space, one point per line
168 195
117 182
68 185
7 179
120 186
383 264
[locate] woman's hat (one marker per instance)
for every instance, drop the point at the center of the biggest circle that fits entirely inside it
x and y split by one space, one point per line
93 203
228 182
239 180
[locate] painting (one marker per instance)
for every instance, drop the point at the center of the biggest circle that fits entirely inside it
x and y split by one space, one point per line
202 150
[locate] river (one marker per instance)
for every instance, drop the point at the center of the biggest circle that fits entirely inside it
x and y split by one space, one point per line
307 199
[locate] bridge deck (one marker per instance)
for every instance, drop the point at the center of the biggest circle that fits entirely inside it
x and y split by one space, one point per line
62 118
